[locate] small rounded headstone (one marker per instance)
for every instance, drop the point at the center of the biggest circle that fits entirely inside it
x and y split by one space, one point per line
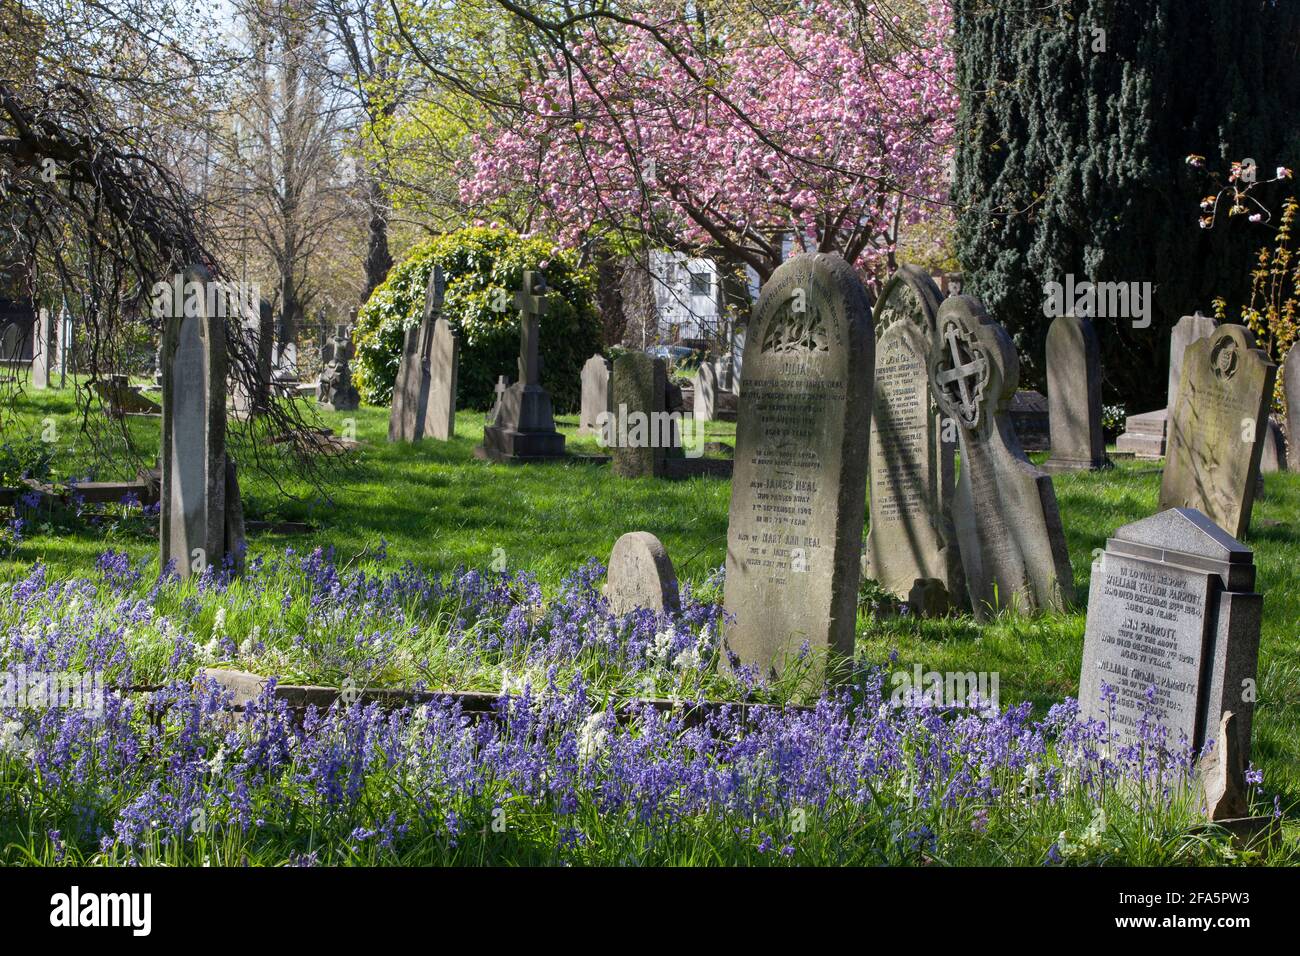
641 575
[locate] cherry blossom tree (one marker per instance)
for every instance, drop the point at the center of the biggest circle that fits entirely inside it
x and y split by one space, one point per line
828 124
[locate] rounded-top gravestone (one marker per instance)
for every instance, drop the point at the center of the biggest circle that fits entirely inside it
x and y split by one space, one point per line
798 494
641 576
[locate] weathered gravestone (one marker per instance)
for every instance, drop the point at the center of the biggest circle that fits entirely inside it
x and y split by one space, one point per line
911 540
1217 429
798 497
252 392
641 576
712 397
596 393
200 515
41 351
641 433
1074 396
1291 386
524 426
1187 331
1273 457
1172 606
424 396
1008 525
1028 413
335 390
1146 435
705 398
122 398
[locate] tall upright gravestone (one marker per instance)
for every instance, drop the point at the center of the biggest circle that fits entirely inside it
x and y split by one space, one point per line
201 520
1008 524
1074 396
911 542
424 395
41 350
798 495
640 432
524 426
1172 612
1218 427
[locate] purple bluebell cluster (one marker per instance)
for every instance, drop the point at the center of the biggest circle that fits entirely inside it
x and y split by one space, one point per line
567 768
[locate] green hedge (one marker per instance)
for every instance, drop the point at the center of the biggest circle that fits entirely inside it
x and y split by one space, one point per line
483 269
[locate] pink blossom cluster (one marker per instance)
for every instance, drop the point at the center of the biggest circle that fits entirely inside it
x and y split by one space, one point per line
828 124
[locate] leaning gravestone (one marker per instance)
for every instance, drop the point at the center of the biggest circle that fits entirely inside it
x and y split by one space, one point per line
641 576
1008 525
41 351
640 432
911 541
1074 396
424 396
1217 429
798 496
524 426
200 518
1172 606
596 393
1291 386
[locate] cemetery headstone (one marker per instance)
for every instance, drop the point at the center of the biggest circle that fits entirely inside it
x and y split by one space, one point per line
63 335
1273 457
640 432
911 539
596 393
1145 435
253 396
11 343
1172 606
798 496
524 427
1028 412
641 576
122 398
199 523
41 351
706 388
444 368
424 397
1291 386
1188 330
335 390
1008 524
1217 428
1074 396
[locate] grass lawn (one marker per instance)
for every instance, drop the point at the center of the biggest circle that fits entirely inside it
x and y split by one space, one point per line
433 504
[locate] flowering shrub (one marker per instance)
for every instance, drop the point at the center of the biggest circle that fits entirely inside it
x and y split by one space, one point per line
483 269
